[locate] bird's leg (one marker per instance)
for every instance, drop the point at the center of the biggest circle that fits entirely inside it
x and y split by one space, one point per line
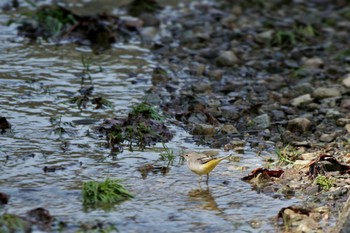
207 179
200 179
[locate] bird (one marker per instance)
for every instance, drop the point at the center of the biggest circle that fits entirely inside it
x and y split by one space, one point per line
202 164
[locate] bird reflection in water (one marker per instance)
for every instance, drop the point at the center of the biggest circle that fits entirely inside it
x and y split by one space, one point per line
204 196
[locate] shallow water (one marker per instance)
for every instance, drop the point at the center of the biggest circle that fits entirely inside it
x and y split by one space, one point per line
37 82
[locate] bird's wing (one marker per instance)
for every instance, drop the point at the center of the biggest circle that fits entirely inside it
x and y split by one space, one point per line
205 159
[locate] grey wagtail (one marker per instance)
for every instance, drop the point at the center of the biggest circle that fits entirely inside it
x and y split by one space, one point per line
202 164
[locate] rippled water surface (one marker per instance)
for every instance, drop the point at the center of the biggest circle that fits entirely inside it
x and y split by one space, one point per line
36 84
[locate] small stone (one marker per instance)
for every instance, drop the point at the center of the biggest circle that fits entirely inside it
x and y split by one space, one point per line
301 165
148 33
230 112
278 115
203 129
311 190
237 143
312 62
346 80
4 198
300 100
229 129
299 125
347 127
309 225
345 104
342 121
229 21
309 156
332 114
265 36
197 118
202 87
325 92
327 137
275 82
262 121
227 58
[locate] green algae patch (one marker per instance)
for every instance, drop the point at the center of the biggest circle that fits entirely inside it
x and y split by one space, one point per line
110 191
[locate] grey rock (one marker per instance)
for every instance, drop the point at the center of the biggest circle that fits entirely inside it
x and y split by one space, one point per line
300 100
333 114
312 62
345 104
262 121
202 87
264 36
197 118
278 115
148 33
311 190
299 125
347 127
346 81
229 129
275 82
227 58
230 112
203 129
327 137
325 92
342 121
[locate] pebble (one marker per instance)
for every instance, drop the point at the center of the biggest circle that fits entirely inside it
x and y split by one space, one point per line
333 114
203 129
325 92
313 62
229 129
299 124
265 36
300 100
346 80
345 104
311 190
202 87
347 127
309 156
342 121
148 33
197 118
227 58
327 137
262 121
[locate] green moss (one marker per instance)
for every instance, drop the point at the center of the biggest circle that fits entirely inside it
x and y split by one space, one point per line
146 110
287 154
109 191
324 182
13 223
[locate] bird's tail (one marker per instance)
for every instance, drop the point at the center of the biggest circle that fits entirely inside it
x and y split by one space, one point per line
225 157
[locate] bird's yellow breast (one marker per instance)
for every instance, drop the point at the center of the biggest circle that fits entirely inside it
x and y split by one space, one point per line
205 168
